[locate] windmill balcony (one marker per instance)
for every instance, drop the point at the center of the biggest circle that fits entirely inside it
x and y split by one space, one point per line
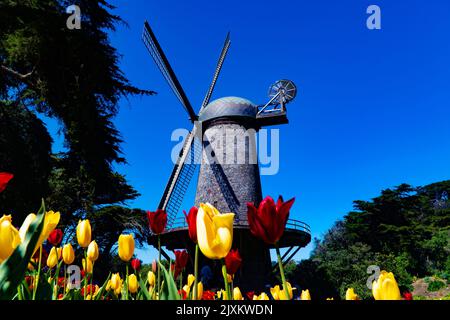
297 233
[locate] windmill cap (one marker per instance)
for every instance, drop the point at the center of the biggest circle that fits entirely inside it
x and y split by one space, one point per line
228 107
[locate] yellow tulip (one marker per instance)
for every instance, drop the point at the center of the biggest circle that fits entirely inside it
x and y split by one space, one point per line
89 266
351 295
386 288
52 259
330 298
222 294
51 220
133 284
115 281
126 247
92 251
68 254
84 233
279 294
190 280
9 238
237 295
151 278
305 295
214 231
199 290
262 296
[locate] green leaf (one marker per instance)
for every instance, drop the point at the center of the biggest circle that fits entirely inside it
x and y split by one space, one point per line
12 270
169 288
103 288
144 290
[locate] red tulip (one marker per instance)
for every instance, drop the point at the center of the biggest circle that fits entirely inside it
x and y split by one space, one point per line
136 264
269 220
191 220
208 295
250 294
408 296
182 294
233 261
181 260
55 237
157 220
4 179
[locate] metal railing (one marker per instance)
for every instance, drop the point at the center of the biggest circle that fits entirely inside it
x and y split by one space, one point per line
292 224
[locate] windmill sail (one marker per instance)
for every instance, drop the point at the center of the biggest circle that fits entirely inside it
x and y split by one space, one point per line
180 178
155 50
223 54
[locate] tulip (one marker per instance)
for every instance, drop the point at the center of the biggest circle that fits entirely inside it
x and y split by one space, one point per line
92 251
268 221
89 266
132 283
208 295
190 279
386 288
157 220
214 231
222 294
408 296
279 294
115 281
305 295
330 298
51 220
126 247
233 261
151 278
84 233
262 296
52 259
191 219
181 260
4 179
237 295
136 264
68 254
9 237
55 237
199 291
351 295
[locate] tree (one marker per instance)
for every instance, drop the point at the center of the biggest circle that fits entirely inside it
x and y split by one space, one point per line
24 150
72 76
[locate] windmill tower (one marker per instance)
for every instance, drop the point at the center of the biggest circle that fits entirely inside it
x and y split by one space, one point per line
223 143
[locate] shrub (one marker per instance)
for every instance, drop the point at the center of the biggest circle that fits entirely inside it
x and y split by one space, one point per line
436 285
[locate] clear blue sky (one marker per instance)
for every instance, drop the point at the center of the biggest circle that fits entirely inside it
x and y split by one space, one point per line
372 110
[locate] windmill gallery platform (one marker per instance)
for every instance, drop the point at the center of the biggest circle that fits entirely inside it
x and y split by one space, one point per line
225 129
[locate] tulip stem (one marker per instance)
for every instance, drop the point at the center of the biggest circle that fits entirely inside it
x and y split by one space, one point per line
159 267
283 278
196 273
225 279
126 281
85 273
36 278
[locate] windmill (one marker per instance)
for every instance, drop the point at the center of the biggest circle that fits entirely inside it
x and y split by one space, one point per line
229 175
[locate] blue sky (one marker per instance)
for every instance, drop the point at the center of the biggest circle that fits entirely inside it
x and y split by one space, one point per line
371 113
